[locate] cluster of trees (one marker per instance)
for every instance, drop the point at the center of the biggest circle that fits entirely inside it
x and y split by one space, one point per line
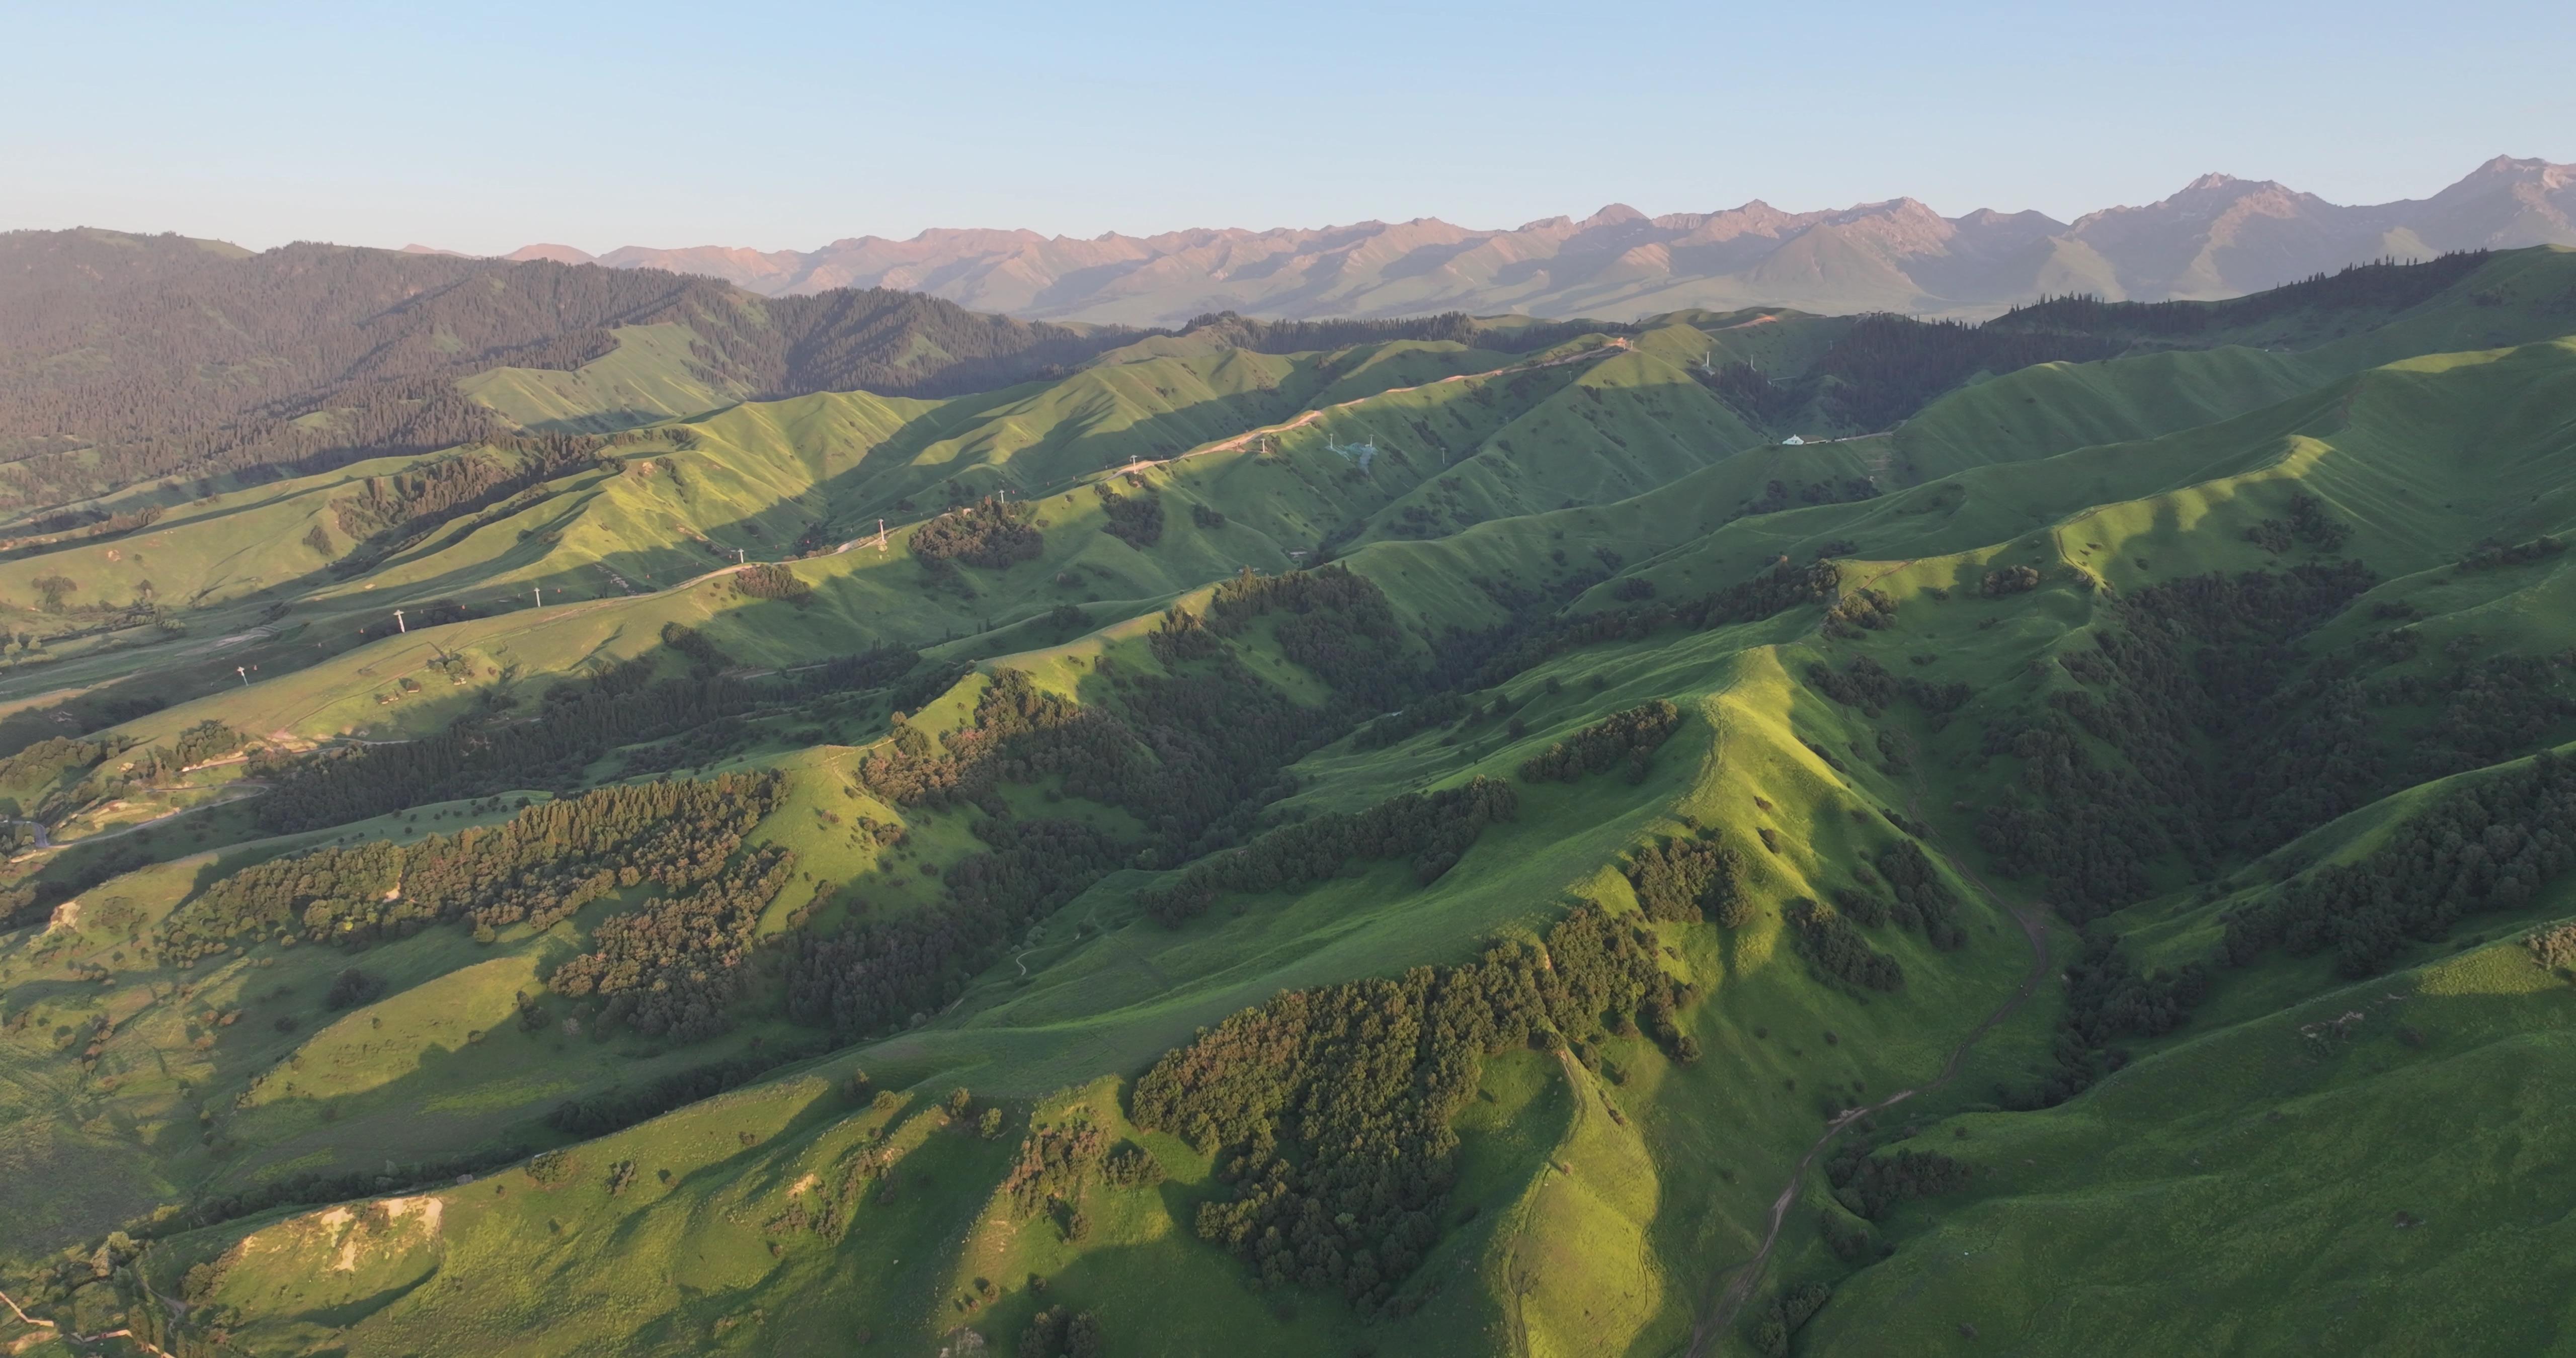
1832 946
2553 949
1862 610
484 753
1434 829
390 514
989 533
1336 624
2490 709
2108 999
1329 1110
1779 1321
1055 1164
1182 637
1924 902
539 866
1691 879
1190 756
1136 520
1887 367
83 525
1866 684
672 966
2496 555
769 580
1020 733
2009 580
2384 285
876 667
2489 846
880 972
900 343
206 740
1131 1166
1869 1185
88 520
1059 1333
1778 495
2211 658
704 656
2308 523
1628 737
37 768
1780 587
1753 395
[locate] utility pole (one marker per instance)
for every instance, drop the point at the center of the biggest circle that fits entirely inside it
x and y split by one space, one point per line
398 623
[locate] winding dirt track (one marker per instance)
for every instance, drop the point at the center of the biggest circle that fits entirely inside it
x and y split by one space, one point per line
1748 1275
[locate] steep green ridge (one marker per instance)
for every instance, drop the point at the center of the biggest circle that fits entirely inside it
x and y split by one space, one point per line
2019 773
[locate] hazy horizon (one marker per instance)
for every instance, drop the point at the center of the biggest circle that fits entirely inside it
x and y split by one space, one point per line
773 128
1387 219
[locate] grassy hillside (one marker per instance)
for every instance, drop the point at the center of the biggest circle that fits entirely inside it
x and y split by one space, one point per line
2024 876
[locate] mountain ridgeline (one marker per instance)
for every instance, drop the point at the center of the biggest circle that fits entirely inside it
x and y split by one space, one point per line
2217 237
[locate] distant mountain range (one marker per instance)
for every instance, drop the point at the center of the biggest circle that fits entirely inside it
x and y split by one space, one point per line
2218 237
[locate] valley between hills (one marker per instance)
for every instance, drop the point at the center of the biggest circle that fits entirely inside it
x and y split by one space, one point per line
557 809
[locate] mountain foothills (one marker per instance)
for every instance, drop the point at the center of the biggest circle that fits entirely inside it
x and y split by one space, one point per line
562 810
2219 237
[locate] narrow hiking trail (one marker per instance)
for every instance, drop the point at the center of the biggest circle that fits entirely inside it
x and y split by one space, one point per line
1515 1277
2034 928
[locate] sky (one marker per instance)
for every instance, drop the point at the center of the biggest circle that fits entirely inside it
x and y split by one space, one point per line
483 127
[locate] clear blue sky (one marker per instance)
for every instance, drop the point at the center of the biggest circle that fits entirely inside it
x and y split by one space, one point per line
483 127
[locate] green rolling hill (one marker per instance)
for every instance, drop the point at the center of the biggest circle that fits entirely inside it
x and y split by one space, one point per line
1738 833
